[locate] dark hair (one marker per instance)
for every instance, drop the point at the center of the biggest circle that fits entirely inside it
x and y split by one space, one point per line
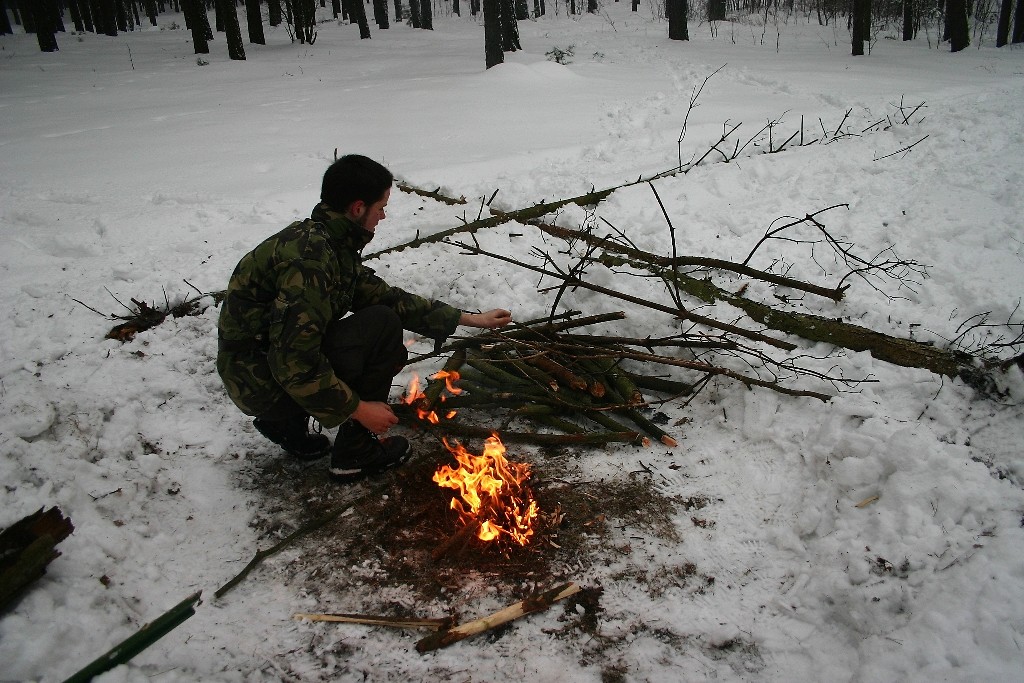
354 177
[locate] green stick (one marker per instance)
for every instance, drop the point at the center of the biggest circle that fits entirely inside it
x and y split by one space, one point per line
143 638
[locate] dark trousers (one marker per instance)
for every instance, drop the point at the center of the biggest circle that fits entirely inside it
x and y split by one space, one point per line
366 350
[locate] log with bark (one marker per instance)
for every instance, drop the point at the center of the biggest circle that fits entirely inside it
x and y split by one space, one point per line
27 547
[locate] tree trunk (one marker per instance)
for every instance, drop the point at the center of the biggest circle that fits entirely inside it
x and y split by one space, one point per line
492 33
195 17
121 16
677 27
232 31
509 26
5 22
43 12
1003 28
414 13
86 9
426 15
908 19
380 13
304 20
1018 23
254 22
398 11
76 15
274 12
357 11
858 24
959 33
716 10
106 20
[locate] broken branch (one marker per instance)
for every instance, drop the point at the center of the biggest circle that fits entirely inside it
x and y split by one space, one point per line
534 603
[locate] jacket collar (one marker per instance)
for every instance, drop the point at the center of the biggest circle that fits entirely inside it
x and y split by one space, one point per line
340 228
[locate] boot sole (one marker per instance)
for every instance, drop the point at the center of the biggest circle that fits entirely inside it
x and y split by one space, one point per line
347 476
298 455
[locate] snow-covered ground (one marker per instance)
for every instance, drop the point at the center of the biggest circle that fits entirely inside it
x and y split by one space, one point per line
128 169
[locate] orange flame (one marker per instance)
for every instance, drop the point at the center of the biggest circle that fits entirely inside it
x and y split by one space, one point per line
415 394
491 492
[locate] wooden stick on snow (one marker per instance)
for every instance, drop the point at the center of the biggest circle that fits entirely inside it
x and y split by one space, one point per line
535 603
371 620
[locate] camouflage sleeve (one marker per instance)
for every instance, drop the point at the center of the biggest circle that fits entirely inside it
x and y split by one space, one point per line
299 317
434 319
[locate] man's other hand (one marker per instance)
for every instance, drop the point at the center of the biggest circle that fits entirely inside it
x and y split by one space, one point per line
488 320
375 416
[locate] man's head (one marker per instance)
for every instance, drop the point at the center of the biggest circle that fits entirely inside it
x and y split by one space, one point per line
359 187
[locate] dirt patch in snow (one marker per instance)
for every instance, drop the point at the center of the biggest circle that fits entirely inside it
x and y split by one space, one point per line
377 556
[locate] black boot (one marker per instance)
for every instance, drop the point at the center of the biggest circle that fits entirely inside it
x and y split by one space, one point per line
293 436
359 453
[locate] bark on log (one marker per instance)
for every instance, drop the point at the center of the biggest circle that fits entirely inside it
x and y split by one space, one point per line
534 603
27 547
895 350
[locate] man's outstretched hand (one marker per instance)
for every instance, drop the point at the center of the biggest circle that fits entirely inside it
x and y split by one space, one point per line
488 320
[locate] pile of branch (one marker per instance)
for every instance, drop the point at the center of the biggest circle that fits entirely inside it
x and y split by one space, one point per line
578 388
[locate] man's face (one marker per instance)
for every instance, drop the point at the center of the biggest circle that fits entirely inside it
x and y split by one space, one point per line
368 216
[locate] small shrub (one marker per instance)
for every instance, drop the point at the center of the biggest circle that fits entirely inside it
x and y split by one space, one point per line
201 62
557 54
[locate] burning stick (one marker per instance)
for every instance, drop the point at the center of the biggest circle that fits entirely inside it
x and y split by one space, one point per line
462 536
534 603
371 620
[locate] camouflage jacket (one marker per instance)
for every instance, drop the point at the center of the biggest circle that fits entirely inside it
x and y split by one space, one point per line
280 300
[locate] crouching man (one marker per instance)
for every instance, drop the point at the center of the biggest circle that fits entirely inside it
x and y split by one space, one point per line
288 349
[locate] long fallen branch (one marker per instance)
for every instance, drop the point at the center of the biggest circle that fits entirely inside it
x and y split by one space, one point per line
372 620
680 313
523 214
306 528
534 603
836 294
896 350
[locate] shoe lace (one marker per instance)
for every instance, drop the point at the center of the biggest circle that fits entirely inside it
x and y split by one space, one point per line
313 425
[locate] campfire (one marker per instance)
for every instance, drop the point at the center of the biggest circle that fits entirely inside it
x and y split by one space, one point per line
492 496
493 502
